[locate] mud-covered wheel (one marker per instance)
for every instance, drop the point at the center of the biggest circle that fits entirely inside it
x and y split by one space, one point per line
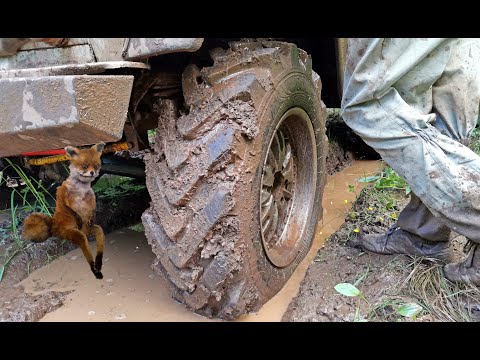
237 183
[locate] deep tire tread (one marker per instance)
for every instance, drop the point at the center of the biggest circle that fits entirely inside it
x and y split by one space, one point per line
192 176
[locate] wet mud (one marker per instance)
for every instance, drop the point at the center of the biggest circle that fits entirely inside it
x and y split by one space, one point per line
132 291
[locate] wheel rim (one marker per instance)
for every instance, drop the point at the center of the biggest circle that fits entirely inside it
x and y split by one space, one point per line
288 186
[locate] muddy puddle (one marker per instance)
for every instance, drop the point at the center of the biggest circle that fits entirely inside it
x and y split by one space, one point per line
131 291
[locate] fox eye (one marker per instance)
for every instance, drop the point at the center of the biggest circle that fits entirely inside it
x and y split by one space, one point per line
96 167
84 167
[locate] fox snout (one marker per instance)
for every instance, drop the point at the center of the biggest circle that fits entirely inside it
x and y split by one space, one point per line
88 170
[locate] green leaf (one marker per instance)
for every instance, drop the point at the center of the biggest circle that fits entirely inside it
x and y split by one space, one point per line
409 309
368 179
347 289
351 188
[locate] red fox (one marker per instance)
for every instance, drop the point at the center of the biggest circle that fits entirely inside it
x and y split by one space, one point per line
74 217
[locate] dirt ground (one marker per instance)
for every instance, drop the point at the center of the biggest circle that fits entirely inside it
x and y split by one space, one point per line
15 305
386 282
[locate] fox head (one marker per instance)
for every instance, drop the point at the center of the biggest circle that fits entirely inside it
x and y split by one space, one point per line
85 163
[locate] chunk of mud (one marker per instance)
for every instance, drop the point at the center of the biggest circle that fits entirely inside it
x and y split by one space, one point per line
26 307
338 132
338 158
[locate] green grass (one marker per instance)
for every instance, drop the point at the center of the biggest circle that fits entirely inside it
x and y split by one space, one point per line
33 199
425 285
445 300
151 136
32 187
114 186
137 227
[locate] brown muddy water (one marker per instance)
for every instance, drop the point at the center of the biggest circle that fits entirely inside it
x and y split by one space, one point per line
131 291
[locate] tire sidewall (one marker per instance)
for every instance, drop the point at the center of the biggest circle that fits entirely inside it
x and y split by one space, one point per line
294 90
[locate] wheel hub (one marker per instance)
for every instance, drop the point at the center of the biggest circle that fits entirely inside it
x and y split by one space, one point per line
287 186
277 187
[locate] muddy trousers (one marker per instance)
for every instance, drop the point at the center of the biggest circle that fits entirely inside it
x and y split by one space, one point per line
416 102
417 219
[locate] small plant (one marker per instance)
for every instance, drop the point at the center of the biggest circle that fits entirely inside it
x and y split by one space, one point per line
387 179
151 136
33 188
111 187
377 203
409 310
33 199
350 290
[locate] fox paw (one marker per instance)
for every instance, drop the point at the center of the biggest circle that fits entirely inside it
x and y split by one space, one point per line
96 272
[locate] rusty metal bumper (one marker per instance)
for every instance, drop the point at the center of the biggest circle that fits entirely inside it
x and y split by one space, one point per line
51 112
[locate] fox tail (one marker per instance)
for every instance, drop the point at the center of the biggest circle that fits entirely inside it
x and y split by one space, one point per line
37 227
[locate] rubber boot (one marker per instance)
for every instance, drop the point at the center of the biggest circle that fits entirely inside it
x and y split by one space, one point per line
466 271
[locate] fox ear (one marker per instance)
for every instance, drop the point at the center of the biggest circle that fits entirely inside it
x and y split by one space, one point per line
71 151
99 147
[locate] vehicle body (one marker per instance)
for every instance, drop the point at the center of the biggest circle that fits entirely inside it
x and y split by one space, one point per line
237 169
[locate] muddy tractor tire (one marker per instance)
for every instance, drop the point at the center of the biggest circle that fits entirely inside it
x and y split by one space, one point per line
237 182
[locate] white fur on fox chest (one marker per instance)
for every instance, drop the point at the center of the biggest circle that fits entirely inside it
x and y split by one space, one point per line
81 197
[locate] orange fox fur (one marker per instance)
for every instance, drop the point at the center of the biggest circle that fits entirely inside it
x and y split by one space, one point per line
74 217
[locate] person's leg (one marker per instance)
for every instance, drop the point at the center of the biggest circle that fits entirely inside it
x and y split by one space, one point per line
417 219
456 94
456 107
388 102
457 118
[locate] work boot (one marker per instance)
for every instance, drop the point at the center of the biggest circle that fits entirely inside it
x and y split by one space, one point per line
466 271
398 241
417 219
